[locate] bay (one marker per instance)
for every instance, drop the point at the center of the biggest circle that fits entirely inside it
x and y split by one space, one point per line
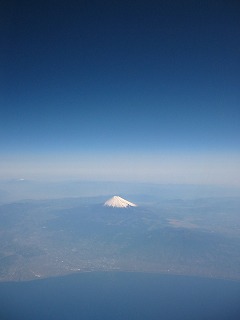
120 295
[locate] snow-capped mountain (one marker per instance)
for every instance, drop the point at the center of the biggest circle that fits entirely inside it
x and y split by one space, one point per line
118 202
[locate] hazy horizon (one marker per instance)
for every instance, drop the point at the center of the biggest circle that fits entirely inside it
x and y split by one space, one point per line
171 168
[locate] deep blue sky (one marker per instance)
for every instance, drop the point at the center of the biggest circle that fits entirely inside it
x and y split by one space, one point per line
125 77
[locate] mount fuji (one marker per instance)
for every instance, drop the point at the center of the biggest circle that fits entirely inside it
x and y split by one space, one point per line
118 202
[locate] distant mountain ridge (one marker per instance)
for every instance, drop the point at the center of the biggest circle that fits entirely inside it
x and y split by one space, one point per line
118 202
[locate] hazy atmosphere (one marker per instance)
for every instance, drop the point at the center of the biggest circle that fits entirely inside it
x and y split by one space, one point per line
130 91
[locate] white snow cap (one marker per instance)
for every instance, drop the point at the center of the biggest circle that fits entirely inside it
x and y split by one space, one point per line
118 202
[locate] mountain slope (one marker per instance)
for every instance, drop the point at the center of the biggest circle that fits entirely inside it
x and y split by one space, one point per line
118 202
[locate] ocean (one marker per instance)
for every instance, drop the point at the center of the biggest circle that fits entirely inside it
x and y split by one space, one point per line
120 295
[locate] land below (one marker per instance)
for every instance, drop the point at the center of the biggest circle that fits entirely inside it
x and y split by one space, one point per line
45 238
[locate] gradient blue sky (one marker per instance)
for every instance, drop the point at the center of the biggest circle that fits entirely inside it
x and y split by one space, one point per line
129 90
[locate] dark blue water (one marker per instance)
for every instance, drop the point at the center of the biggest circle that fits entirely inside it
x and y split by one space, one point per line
120 296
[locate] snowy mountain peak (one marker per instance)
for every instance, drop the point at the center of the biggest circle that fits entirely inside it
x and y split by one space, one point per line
118 202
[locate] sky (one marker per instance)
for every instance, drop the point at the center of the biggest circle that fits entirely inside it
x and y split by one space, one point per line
120 90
